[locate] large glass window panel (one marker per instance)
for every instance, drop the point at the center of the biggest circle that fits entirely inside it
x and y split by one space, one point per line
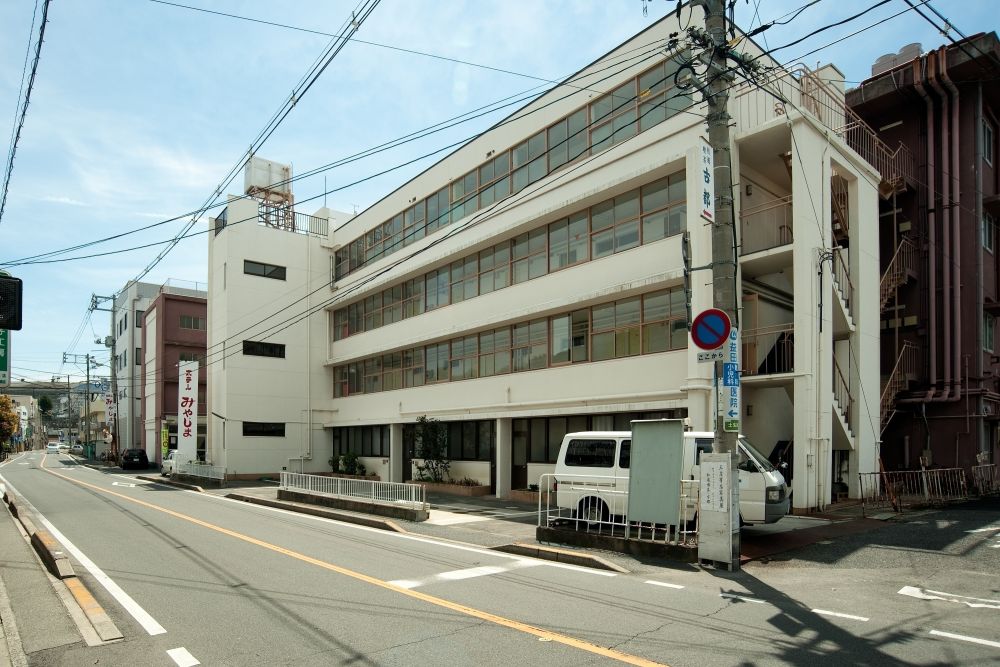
627 206
654 227
655 306
602 346
600 137
558 244
501 164
577 130
486 172
602 244
678 335
539 343
655 195
624 126
626 235
627 311
579 227
537 169
520 154
538 441
677 220
520 179
627 342
556 430
536 145
652 112
560 339
558 154
652 81
602 215
655 337
581 331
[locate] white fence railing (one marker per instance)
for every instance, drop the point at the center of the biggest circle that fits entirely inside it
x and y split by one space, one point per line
413 496
986 479
202 470
901 489
599 504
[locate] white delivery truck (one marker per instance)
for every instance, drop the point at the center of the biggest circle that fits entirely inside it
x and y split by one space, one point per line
592 476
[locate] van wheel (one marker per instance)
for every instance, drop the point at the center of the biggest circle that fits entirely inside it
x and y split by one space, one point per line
593 511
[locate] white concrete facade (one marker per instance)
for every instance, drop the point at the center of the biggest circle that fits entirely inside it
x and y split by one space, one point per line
790 361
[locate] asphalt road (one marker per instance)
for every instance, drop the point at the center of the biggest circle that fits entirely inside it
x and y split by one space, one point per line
233 584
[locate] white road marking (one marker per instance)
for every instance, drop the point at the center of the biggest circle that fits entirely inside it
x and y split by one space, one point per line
141 616
468 573
927 594
823 612
409 536
730 596
974 640
444 518
131 486
988 529
183 657
664 584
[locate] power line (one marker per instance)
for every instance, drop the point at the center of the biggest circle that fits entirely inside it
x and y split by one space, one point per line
363 10
24 108
518 98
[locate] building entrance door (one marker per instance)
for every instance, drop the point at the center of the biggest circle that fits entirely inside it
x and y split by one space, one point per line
519 464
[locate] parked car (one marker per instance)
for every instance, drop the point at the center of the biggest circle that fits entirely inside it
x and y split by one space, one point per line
593 470
167 466
134 458
76 449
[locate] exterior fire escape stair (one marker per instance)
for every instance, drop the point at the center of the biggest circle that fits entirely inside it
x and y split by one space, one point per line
898 380
900 270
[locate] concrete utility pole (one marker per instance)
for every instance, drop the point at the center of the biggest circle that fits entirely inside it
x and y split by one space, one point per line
718 80
87 359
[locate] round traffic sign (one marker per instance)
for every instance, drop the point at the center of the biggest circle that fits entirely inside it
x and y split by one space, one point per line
710 329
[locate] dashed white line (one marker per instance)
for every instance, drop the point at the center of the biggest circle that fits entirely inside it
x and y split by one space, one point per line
927 594
183 657
664 584
467 573
730 596
964 638
852 617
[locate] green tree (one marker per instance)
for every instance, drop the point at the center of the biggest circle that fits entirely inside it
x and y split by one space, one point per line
432 446
45 405
8 418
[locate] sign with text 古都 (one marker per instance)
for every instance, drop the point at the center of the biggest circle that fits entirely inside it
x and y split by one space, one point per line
707 181
187 411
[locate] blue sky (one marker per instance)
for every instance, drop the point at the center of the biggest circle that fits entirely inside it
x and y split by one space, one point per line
140 108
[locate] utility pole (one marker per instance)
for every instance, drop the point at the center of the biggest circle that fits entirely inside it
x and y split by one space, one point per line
718 80
87 359
95 302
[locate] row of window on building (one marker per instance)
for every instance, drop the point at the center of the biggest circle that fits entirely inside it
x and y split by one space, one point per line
643 215
533 440
646 324
635 106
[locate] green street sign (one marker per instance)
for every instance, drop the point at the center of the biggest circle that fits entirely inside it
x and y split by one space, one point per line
4 358
731 425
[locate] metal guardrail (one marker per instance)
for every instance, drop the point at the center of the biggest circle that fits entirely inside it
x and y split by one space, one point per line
986 479
908 489
766 226
412 496
203 470
599 505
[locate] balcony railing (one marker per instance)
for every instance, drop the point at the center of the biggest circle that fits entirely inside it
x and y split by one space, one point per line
842 279
768 350
766 226
283 216
842 393
805 92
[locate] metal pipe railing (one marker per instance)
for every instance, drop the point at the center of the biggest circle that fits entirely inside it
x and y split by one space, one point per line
413 496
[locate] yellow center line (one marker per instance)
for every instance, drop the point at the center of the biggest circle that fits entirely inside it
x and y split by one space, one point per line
417 595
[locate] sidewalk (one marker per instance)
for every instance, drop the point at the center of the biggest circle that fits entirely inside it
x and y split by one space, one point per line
492 522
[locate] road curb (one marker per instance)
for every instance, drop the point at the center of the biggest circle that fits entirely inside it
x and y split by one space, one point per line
560 556
170 482
57 563
380 524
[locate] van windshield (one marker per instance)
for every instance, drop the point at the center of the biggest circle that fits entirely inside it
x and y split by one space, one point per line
759 458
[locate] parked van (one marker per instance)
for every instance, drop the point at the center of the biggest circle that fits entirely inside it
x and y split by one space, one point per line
592 474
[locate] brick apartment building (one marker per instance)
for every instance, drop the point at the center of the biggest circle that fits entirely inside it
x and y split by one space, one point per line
940 290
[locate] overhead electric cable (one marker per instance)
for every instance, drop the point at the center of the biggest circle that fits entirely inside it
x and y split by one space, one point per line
24 109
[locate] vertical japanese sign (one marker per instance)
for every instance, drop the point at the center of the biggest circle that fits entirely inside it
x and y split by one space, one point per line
707 182
4 358
187 411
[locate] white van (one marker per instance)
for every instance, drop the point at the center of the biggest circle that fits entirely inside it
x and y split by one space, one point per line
592 474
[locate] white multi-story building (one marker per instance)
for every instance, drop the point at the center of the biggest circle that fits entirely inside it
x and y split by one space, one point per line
531 284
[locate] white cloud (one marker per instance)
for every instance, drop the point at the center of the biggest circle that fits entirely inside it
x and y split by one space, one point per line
64 200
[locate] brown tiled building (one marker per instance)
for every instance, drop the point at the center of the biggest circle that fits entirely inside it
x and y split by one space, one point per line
174 329
940 289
